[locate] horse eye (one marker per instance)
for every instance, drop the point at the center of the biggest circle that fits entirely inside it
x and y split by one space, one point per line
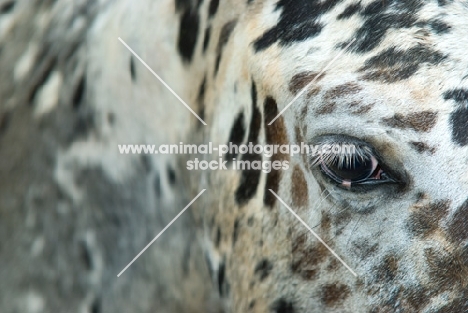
356 171
361 168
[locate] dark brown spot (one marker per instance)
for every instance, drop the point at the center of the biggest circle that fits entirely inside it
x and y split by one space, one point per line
275 135
327 108
363 109
301 80
422 147
447 270
416 298
388 269
393 65
334 294
306 257
458 229
299 189
425 219
313 91
341 91
418 121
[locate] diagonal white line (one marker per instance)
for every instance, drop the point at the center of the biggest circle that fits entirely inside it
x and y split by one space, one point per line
161 232
313 80
313 233
162 81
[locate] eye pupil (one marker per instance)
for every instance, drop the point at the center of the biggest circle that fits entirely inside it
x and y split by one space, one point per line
355 170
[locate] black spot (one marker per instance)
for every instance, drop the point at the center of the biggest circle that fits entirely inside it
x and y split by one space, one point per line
188 33
459 118
256 122
253 93
157 185
201 100
380 16
218 236
349 11
263 269
298 22
214 4
235 231
459 121
171 175
224 35
132 69
458 95
393 65
206 40
237 134
7 7
95 306
221 277
201 90
79 93
439 27
283 306
249 180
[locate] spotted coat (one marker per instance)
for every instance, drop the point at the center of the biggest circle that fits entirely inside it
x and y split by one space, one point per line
401 87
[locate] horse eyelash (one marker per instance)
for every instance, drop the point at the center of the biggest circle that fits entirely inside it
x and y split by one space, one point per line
329 157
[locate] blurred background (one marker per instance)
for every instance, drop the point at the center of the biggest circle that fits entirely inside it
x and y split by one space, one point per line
67 228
